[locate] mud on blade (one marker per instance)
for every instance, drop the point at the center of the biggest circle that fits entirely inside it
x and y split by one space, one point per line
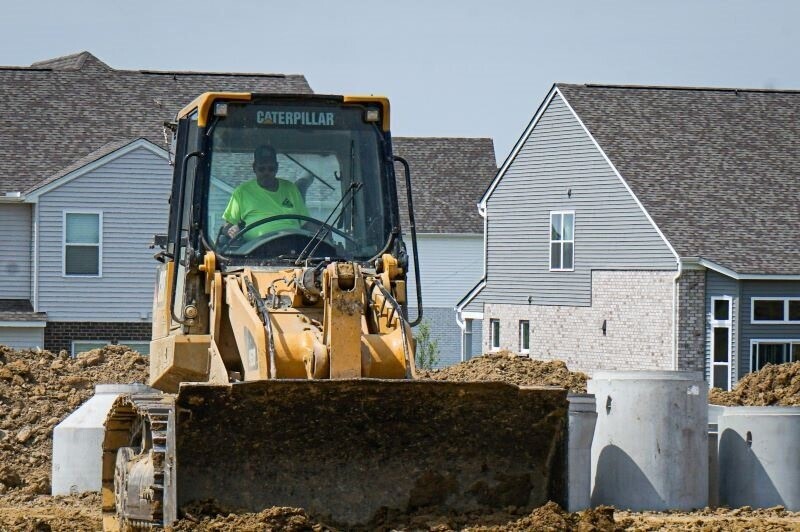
345 449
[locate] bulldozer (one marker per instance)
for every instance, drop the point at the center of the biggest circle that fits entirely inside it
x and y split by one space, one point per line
282 360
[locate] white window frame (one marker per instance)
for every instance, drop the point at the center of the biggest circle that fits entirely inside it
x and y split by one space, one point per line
523 350
785 319
99 243
550 241
494 339
722 324
756 341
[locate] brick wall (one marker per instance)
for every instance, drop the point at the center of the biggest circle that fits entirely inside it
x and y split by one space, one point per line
59 335
692 320
637 307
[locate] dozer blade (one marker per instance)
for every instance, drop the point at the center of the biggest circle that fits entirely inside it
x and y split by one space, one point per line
345 449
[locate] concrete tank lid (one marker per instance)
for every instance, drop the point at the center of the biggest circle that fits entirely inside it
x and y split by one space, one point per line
121 388
761 411
648 375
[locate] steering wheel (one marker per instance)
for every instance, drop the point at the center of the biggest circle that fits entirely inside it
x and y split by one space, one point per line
269 236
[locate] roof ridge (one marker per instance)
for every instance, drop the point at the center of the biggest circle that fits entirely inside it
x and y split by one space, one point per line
677 88
201 73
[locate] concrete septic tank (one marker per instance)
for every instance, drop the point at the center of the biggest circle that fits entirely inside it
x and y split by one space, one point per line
759 457
650 447
582 417
78 441
714 413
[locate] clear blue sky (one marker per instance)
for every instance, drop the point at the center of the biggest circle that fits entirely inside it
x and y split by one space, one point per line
458 68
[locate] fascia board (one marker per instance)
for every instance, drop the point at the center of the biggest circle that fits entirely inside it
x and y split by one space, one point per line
517 147
742 276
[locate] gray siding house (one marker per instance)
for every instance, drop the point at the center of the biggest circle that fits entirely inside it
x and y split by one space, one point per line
85 182
448 176
646 228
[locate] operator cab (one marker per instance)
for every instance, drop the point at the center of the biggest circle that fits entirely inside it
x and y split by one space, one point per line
332 196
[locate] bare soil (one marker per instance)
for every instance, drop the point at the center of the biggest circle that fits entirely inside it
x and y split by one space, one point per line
777 385
39 389
509 367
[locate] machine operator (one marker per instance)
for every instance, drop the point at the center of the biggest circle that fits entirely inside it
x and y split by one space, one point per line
263 197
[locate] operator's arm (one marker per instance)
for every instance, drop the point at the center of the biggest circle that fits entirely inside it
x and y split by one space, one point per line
232 216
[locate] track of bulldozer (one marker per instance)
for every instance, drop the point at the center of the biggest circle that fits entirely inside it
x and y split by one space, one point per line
150 419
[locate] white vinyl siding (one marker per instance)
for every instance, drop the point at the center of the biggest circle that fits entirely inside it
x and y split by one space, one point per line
83 243
16 264
22 337
132 192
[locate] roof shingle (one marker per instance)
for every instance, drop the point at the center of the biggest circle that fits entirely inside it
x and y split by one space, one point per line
717 169
58 111
448 177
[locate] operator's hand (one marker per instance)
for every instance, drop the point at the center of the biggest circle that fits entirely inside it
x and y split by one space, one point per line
233 230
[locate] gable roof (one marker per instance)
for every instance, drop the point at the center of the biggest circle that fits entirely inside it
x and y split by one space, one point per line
717 169
56 112
448 177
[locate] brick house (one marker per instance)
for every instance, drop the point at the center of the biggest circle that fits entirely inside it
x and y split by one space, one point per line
647 228
85 183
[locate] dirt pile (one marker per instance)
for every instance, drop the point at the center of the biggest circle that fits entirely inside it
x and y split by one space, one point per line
713 520
509 367
773 385
42 513
38 389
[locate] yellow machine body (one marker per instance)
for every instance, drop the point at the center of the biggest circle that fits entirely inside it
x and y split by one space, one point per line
295 384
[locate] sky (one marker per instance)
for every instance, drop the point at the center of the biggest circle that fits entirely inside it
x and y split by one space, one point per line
450 68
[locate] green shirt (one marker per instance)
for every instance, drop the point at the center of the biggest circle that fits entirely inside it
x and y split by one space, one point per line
251 202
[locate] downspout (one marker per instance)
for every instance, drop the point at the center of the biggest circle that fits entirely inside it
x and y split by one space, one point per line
675 309
460 321
35 253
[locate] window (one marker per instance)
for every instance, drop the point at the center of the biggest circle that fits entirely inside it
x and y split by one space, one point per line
524 336
775 310
467 342
83 243
765 352
721 342
562 241
494 334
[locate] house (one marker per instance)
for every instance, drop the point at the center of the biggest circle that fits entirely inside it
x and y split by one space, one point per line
85 182
647 228
448 176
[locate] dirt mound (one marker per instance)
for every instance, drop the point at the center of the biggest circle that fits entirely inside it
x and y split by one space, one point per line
42 513
207 516
509 367
551 516
38 389
772 385
717 519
